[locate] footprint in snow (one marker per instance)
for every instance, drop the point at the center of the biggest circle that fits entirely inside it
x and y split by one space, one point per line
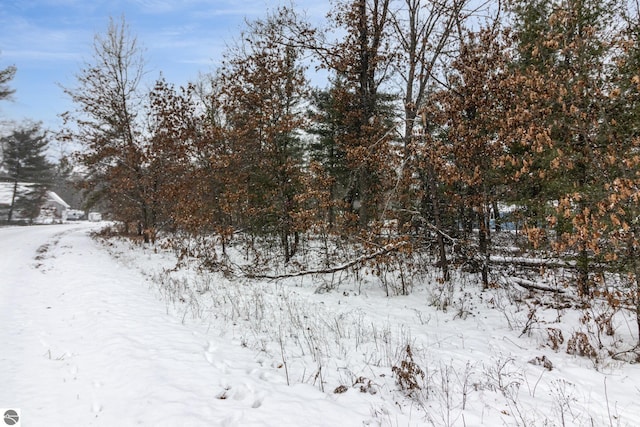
209 352
211 348
232 421
241 392
259 398
220 365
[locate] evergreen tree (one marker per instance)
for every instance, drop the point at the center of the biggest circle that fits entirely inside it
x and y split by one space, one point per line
28 169
529 157
570 51
6 75
620 204
361 64
67 182
327 125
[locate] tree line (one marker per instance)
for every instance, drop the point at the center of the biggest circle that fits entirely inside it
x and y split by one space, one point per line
437 119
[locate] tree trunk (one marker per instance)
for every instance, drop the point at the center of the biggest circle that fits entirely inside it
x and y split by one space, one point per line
483 247
496 216
632 254
437 218
638 305
583 271
284 239
13 200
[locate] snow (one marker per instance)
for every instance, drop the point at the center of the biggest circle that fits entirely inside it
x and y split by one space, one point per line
86 343
106 333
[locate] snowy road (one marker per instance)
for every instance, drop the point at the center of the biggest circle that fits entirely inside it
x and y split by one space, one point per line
84 342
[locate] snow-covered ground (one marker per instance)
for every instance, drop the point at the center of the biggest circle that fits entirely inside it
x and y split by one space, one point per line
105 333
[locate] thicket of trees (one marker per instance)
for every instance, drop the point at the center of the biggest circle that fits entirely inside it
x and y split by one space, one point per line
435 121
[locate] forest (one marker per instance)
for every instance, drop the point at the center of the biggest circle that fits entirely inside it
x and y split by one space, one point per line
501 139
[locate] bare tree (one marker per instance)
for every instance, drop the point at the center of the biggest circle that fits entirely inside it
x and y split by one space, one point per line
425 31
105 122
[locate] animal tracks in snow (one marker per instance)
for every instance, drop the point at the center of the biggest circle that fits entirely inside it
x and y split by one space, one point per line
250 390
243 393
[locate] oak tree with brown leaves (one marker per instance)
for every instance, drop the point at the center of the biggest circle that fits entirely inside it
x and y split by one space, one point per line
262 85
468 116
106 124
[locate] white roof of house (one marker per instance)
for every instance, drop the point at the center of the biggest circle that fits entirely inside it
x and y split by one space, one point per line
53 196
6 192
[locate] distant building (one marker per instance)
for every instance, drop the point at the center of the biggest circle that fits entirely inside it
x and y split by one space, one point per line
52 210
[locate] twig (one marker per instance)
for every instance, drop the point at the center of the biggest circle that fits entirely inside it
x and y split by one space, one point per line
429 225
606 396
284 359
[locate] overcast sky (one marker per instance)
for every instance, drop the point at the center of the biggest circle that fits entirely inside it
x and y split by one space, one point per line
50 40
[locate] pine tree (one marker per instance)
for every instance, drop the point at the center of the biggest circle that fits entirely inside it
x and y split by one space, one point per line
27 168
566 47
620 205
527 135
327 125
6 75
360 64
67 182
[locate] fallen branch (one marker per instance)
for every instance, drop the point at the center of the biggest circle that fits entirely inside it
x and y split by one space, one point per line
383 251
528 284
531 262
442 233
634 352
